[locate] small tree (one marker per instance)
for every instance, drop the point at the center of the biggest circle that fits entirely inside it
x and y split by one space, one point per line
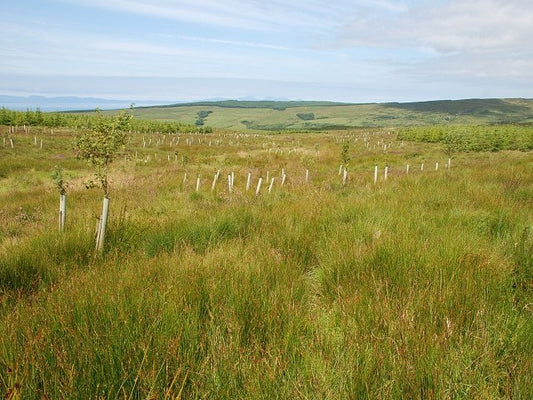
99 147
453 143
61 185
345 154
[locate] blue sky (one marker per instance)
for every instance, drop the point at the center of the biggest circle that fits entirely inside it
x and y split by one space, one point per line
184 50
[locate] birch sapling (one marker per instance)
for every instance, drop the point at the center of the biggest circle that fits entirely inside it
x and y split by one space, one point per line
99 147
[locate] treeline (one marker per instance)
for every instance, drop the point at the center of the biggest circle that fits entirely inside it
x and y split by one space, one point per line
89 121
201 116
306 116
36 118
473 138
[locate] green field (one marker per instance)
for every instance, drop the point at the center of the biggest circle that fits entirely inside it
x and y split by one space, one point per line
291 115
418 285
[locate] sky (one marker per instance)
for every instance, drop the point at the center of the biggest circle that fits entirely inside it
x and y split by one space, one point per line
338 50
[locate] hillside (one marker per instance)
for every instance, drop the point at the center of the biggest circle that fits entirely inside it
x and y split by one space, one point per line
301 115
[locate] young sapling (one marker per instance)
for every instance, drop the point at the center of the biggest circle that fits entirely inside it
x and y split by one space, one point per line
61 185
99 147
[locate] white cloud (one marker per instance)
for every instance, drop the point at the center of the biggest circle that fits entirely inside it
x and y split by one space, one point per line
379 48
449 26
247 14
274 15
489 67
456 42
130 47
237 43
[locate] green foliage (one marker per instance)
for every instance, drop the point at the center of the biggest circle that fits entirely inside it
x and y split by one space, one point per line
477 107
59 180
34 118
204 114
201 116
473 138
100 145
80 120
306 116
345 155
453 143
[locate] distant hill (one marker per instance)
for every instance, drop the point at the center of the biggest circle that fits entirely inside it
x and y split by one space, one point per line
272 104
316 115
275 115
480 107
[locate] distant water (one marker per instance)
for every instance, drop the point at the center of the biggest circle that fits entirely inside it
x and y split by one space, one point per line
68 103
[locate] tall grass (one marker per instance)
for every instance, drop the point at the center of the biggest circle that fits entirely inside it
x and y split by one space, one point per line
418 287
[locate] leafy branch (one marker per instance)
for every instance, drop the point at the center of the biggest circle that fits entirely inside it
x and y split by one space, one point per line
59 180
100 145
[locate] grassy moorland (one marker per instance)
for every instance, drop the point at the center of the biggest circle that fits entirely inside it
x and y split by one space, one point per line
417 286
294 115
